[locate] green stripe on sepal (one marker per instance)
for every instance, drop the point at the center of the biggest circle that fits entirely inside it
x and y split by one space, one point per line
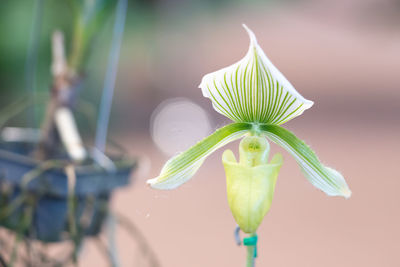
182 167
327 179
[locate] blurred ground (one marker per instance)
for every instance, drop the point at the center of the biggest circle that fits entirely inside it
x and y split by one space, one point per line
343 55
192 226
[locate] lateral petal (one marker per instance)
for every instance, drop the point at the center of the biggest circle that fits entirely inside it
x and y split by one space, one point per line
324 178
182 167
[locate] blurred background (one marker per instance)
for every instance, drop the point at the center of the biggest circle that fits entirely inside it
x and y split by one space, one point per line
343 55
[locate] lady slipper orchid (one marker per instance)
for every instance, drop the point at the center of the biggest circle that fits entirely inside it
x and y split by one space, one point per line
258 98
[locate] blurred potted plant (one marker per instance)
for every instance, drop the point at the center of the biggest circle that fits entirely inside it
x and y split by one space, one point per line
53 186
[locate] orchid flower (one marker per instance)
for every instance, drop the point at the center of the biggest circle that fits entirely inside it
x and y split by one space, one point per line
258 98
255 95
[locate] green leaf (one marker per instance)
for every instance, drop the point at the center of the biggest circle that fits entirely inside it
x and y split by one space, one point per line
324 178
182 167
253 90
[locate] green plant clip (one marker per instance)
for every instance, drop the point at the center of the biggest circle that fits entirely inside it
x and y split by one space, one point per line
251 241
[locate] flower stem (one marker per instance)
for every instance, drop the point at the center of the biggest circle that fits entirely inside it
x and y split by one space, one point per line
250 256
251 243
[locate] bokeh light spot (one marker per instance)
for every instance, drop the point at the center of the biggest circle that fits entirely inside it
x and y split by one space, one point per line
177 124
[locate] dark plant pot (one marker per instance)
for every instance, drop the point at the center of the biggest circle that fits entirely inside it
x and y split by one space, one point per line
50 221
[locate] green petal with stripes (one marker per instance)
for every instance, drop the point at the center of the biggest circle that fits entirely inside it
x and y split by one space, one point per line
253 90
324 178
182 167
